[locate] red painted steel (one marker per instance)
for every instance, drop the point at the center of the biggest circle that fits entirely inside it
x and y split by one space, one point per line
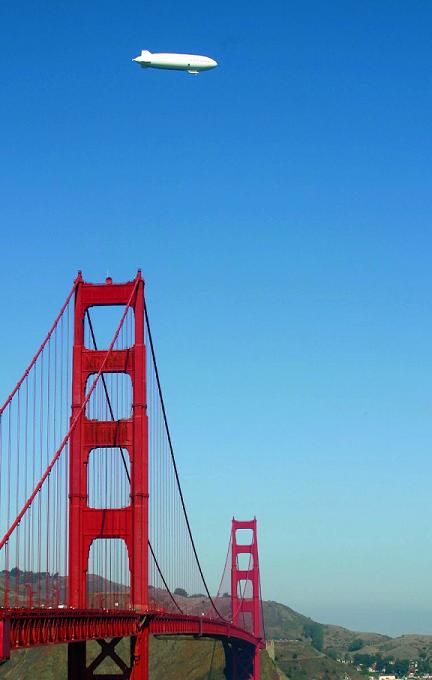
130 523
198 626
87 524
34 627
242 606
140 656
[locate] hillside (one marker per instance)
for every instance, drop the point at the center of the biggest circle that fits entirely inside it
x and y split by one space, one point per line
341 639
169 659
411 646
300 661
295 653
284 623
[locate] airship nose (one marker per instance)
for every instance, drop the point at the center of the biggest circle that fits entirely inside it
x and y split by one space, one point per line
213 63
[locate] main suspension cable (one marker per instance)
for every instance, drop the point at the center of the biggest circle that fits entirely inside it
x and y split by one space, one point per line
175 464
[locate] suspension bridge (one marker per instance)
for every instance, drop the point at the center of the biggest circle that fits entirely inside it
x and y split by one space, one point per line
95 539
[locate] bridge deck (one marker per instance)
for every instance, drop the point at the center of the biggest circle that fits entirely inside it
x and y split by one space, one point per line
23 628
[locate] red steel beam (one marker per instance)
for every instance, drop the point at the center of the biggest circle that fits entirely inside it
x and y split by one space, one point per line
199 626
34 627
22 628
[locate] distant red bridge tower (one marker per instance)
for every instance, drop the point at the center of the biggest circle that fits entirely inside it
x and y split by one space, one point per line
246 606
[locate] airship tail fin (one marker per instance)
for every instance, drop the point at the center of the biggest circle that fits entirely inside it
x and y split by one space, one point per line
144 59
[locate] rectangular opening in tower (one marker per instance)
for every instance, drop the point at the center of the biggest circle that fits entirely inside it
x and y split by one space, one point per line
108 575
108 476
244 589
112 397
244 536
244 561
100 325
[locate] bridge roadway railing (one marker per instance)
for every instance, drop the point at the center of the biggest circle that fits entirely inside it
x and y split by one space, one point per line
24 628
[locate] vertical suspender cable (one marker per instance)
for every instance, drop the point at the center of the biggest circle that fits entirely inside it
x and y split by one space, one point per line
174 462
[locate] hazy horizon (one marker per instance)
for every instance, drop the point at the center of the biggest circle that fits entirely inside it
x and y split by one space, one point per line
390 621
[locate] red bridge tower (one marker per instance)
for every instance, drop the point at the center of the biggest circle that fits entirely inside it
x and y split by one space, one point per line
129 523
246 600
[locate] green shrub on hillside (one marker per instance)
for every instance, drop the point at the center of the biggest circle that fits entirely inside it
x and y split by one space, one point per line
315 632
356 644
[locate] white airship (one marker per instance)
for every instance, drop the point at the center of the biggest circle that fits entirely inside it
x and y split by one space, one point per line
192 63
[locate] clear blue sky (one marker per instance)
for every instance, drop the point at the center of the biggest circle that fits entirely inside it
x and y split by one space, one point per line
280 208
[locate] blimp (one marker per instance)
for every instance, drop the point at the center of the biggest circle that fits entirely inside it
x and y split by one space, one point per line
192 63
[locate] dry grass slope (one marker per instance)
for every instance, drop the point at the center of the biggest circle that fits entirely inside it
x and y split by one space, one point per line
170 659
